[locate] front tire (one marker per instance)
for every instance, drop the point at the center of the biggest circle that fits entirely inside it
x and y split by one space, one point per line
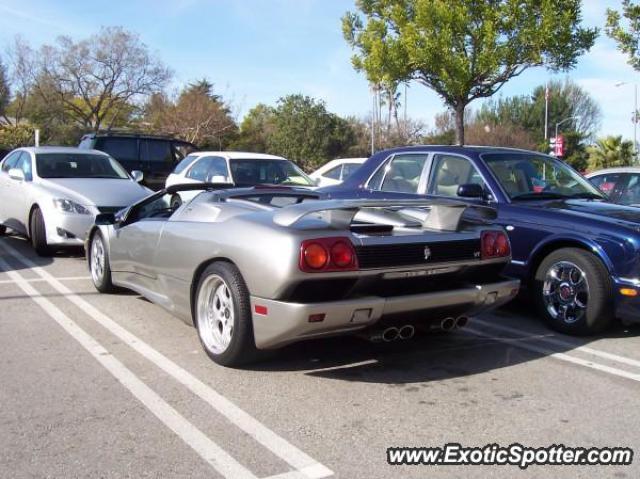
39 234
573 292
223 315
99 264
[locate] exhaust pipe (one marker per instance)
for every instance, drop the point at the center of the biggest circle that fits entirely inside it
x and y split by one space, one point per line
462 321
390 334
448 324
406 332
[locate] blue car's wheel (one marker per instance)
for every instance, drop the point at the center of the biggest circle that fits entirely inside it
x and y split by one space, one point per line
573 292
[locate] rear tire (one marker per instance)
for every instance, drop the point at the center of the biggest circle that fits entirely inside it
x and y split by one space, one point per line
572 292
222 315
39 234
99 264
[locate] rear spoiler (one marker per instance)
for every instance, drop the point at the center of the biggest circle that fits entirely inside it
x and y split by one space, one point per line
443 215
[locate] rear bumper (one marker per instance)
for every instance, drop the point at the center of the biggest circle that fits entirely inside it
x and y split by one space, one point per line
285 322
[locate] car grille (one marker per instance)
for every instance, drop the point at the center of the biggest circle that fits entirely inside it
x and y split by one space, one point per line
382 256
109 209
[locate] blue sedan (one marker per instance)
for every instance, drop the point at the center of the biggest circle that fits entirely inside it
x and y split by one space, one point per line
577 253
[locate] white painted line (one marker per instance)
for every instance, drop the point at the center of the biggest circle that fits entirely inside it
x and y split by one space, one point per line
567 344
36 280
279 446
220 460
561 356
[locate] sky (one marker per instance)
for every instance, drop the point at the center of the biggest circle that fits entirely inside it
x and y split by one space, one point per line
256 51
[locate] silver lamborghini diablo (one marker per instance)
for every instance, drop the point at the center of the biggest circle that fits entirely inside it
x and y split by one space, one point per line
258 268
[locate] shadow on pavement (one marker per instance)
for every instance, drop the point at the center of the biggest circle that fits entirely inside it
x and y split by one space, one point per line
429 357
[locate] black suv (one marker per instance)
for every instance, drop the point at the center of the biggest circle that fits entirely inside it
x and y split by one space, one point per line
155 156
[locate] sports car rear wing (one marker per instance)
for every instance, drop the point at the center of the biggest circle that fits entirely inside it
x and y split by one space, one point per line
443 215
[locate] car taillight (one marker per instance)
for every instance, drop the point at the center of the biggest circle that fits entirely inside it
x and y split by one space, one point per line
495 244
327 254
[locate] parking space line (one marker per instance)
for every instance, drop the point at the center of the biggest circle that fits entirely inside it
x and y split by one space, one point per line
279 446
561 356
39 280
564 343
213 454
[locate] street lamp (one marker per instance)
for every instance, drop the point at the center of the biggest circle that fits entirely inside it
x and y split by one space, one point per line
575 117
634 118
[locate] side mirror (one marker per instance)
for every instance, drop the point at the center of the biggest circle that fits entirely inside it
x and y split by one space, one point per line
137 176
105 219
471 190
16 174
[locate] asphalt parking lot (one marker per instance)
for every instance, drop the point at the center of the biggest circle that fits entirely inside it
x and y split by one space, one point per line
113 386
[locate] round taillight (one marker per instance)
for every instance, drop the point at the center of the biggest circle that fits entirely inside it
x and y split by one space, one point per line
341 254
502 245
315 255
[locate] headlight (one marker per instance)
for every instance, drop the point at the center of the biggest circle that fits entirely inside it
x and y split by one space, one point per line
69 206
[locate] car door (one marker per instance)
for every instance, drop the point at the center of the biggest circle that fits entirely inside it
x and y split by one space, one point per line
136 237
7 190
20 204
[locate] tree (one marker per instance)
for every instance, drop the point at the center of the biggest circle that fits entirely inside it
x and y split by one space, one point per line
197 115
609 152
98 78
628 39
255 129
5 93
305 132
464 49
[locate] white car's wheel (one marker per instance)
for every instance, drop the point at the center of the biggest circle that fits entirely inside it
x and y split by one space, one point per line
223 315
99 264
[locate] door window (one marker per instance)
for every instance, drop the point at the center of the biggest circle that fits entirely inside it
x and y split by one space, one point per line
24 163
333 173
606 183
348 169
401 174
208 167
156 151
449 172
630 194
122 149
10 161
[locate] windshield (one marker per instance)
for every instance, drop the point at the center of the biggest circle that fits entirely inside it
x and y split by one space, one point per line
275 172
525 177
78 165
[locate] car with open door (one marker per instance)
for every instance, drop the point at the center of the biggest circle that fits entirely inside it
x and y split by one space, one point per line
576 252
257 268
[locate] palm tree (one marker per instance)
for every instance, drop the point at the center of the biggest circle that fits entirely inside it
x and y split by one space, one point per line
610 151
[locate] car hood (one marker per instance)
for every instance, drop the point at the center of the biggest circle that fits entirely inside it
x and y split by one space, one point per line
589 209
96 191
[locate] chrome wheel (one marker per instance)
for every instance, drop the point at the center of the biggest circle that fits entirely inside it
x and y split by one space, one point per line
97 259
565 292
215 314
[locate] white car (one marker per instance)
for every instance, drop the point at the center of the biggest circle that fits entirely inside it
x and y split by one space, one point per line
335 172
621 185
234 167
52 194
